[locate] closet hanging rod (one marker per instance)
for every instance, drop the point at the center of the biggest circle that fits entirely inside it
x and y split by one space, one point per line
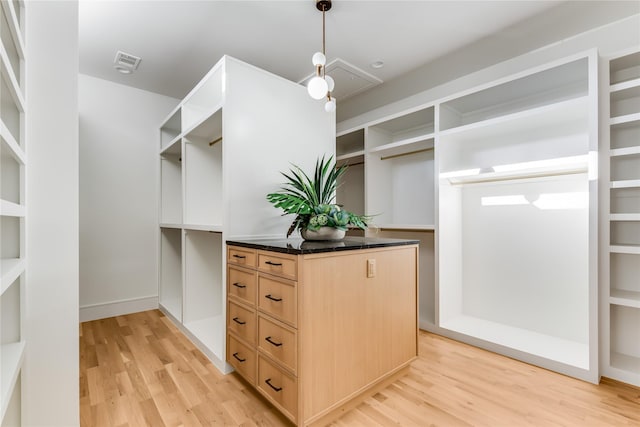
215 141
406 154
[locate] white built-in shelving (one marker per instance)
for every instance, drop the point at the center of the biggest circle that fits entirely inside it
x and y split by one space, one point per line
13 213
505 174
621 285
221 153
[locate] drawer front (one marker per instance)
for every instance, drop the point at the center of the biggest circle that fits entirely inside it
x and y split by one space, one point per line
241 256
279 386
277 297
278 341
282 265
242 284
242 321
242 358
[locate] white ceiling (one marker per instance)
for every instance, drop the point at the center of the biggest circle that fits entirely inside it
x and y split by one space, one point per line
179 41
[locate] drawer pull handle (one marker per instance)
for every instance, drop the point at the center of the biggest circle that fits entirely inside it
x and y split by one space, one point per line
239 256
277 344
273 298
276 264
268 381
238 285
238 321
238 358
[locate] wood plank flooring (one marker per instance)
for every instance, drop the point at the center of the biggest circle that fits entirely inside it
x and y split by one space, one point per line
139 370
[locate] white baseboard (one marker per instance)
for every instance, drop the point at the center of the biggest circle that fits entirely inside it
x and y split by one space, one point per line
117 308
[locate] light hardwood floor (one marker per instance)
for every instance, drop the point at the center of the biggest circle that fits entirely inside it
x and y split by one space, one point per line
139 370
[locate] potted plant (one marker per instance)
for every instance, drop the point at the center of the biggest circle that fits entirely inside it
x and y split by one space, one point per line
312 202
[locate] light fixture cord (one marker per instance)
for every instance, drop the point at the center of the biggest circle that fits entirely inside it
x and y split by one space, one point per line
323 39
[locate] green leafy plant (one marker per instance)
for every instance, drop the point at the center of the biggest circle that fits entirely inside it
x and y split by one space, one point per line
311 200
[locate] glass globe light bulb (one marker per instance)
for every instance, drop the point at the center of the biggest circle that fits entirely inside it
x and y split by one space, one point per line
317 88
330 83
330 106
318 59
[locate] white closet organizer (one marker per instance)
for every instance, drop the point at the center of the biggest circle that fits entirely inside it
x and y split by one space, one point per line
517 247
221 153
621 293
13 162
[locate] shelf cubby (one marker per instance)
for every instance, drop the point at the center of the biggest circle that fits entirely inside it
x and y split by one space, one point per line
170 132
416 125
350 191
350 144
204 97
10 176
624 68
538 89
625 345
10 271
11 413
10 111
625 100
400 189
203 173
13 48
171 188
625 233
204 289
171 271
623 282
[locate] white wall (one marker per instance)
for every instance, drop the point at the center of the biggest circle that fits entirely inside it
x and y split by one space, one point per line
119 145
50 373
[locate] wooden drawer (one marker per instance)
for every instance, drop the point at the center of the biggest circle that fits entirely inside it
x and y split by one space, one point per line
277 297
241 256
282 265
278 341
242 284
280 387
242 321
242 358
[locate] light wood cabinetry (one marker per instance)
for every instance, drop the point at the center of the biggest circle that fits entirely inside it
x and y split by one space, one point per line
13 164
621 225
326 332
213 150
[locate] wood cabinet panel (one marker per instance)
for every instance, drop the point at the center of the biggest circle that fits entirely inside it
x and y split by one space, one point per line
242 256
277 297
242 358
242 321
241 284
282 265
278 341
280 387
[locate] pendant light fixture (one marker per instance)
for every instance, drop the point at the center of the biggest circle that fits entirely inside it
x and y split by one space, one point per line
321 85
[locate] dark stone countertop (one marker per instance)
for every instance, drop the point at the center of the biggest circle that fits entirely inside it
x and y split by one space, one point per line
300 247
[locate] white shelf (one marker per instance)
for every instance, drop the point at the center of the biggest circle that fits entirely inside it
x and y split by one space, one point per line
210 124
624 217
630 183
407 227
627 151
625 249
348 156
14 27
173 147
210 332
10 268
549 347
10 143
11 361
574 110
170 225
625 298
13 85
624 85
216 228
627 118
11 209
626 363
405 147
535 169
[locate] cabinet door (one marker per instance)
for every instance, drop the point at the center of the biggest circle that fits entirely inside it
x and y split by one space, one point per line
353 328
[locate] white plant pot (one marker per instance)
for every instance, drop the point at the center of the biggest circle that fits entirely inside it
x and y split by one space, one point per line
323 233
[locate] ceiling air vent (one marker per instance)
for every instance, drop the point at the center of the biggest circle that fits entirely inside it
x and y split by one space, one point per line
126 63
349 79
